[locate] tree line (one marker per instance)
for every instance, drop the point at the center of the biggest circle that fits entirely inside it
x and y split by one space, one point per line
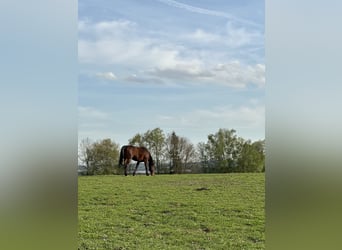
224 152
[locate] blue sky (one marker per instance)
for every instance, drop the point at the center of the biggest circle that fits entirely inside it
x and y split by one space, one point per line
186 66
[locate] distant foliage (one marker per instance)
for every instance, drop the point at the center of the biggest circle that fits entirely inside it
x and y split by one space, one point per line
101 157
252 158
179 153
224 152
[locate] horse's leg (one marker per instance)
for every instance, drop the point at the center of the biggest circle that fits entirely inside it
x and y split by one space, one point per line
145 162
151 169
136 167
126 169
126 162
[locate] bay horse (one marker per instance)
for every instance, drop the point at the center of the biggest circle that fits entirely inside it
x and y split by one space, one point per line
138 154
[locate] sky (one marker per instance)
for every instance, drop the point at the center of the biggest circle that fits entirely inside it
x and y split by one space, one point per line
191 67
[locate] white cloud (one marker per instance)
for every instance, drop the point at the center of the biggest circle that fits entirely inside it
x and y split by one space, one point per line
140 79
133 52
238 75
232 74
159 61
105 28
202 36
107 75
230 37
90 113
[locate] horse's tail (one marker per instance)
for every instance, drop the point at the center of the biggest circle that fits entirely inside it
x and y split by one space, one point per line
122 155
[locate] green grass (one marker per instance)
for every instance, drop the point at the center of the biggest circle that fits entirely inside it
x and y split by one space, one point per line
204 211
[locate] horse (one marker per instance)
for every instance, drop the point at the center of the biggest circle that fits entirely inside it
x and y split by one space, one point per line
139 154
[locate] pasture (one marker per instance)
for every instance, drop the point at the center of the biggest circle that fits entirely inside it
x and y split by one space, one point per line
199 211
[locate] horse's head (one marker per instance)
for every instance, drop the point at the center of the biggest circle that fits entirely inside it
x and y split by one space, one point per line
152 169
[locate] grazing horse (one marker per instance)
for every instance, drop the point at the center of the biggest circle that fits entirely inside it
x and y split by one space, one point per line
139 154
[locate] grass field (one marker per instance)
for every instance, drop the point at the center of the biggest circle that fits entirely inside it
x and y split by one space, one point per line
202 211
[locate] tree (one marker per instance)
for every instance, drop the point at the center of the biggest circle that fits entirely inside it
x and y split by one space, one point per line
187 152
180 152
137 140
261 148
203 156
252 158
172 148
100 157
85 153
155 140
221 151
